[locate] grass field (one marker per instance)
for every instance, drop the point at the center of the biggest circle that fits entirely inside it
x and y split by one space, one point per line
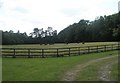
58 45
44 69
53 69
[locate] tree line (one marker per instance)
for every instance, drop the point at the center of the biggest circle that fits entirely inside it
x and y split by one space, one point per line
38 36
104 28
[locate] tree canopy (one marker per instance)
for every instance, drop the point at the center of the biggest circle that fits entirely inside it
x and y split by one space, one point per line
105 28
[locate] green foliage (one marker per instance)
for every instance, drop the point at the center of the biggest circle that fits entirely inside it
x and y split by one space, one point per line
36 37
13 38
105 28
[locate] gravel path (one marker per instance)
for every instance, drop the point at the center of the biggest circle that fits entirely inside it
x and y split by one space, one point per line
71 74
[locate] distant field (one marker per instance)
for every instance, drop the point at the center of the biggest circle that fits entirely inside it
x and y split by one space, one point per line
57 45
45 69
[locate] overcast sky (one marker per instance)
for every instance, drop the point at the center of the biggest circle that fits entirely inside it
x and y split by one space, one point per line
24 15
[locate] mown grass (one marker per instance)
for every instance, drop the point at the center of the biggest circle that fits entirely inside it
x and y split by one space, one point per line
43 69
92 72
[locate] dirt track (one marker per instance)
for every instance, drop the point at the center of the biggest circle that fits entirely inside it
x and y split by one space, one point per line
71 74
105 71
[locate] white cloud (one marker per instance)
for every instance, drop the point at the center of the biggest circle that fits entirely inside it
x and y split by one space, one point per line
24 15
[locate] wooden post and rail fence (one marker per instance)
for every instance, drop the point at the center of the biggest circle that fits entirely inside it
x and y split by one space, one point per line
57 52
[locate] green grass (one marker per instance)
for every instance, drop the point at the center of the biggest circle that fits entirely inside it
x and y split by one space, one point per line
91 72
43 69
114 73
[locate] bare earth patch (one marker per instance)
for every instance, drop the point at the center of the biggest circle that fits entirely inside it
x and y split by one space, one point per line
71 74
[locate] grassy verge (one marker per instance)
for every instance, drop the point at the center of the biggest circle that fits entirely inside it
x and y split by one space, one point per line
92 72
114 73
43 69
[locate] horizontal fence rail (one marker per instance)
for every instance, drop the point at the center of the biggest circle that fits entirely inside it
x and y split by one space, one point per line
56 52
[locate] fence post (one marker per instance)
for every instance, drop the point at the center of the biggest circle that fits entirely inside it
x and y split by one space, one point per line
28 53
79 51
88 49
112 47
42 53
14 56
104 47
118 45
57 53
97 49
69 51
